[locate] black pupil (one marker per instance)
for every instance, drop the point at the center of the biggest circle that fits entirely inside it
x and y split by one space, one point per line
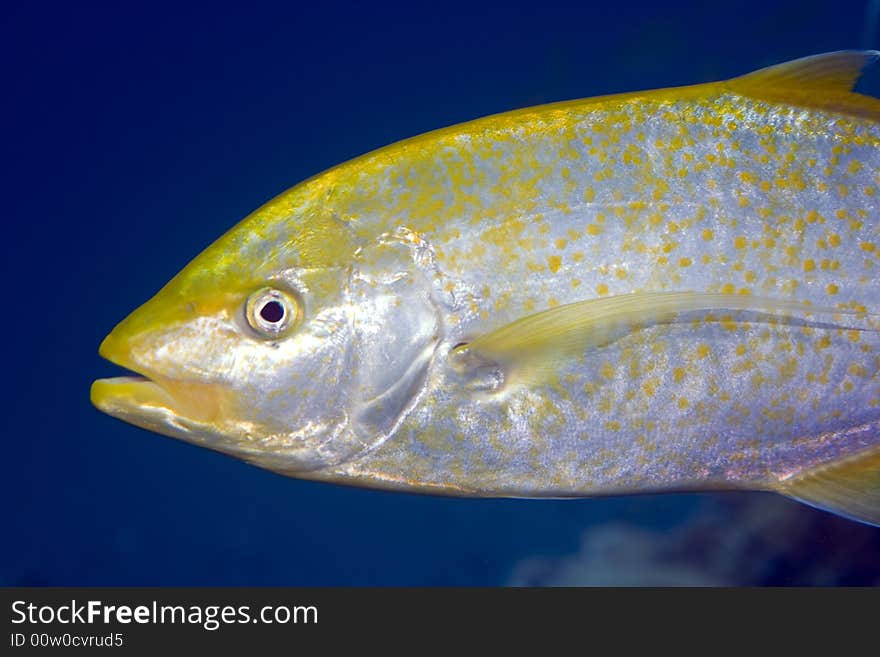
272 312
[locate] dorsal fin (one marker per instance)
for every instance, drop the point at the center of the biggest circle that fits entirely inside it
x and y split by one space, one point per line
834 71
820 81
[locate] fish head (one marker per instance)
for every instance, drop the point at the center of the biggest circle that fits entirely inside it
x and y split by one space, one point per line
268 346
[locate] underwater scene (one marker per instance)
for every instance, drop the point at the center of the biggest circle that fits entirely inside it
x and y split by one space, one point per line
138 135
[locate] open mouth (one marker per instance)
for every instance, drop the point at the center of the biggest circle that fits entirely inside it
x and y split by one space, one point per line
142 397
135 390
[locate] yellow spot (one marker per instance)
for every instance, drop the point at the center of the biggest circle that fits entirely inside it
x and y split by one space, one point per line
555 263
678 374
853 335
593 229
809 265
740 350
685 262
740 242
708 234
834 239
854 166
682 402
750 276
867 246
743 201
601 289
560 243
612 425
589 194
702 350
747 177
620 273
607 370
575 282
728 288
788 369
577 256
832 289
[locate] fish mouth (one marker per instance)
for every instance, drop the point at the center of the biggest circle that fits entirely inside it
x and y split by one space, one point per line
116 394
150 400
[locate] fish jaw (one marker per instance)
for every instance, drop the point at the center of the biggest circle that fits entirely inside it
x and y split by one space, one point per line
180 409
138 401
157 406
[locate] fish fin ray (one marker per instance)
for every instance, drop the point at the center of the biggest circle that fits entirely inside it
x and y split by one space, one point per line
821 81
849 487
834 71
533 347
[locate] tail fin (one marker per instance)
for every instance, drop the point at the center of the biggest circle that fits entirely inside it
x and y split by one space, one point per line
849 487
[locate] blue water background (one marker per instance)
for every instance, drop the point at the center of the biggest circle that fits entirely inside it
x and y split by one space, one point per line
133 136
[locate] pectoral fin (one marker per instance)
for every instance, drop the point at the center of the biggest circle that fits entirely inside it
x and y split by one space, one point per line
849 487
531 347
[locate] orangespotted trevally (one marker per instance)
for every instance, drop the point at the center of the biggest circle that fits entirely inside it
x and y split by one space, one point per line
665 290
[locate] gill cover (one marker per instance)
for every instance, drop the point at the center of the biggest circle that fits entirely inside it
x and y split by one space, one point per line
396 327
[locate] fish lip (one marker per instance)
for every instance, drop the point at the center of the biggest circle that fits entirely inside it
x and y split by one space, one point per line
106 393
123 396
151 400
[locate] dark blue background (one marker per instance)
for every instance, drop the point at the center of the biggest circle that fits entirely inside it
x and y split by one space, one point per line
134 136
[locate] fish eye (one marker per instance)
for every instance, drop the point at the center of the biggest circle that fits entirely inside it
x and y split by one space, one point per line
271 312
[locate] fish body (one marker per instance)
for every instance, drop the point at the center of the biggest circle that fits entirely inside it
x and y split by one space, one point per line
667 290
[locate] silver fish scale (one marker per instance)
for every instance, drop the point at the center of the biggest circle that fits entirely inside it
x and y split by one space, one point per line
715 194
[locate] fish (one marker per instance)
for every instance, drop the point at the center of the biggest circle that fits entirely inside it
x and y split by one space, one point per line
667 290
